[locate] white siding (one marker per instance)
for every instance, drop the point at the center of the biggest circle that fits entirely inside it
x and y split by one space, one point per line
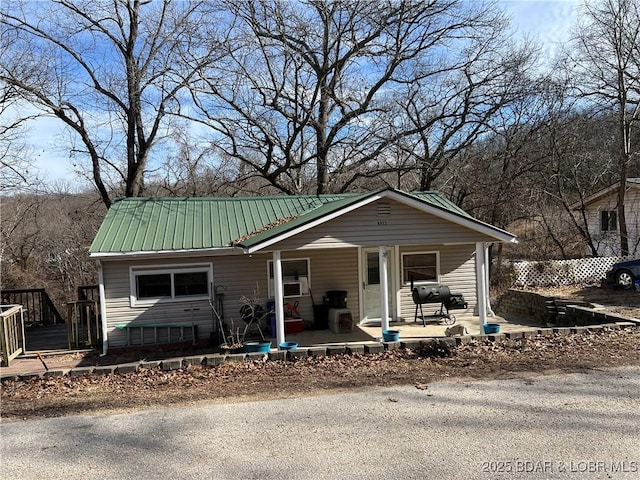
234 276
242 275
330 270
119 311
366 227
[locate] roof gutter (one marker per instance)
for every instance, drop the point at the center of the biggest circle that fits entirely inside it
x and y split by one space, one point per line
191 252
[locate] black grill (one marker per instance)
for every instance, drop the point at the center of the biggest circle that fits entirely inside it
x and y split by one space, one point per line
441 294
431 294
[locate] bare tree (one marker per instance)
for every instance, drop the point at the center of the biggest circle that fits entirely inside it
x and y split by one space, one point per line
192 168
495 177
112 71
308 94
16 161
607 69
582 160
44 241
487 89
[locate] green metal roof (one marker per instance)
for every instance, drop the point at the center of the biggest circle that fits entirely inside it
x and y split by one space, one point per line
173 224
437 200
139 224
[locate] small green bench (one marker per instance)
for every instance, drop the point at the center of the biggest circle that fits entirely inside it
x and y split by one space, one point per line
186 332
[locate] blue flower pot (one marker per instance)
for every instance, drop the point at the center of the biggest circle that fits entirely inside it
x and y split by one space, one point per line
491 328
390 335
257 347
288 346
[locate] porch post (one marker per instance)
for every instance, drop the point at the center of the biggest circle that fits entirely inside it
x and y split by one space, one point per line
481 285
384 288
490 311
278 296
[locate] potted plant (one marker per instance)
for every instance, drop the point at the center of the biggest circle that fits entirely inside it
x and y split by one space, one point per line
234 337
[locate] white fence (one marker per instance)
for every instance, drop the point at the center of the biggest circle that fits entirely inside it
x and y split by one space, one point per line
563 272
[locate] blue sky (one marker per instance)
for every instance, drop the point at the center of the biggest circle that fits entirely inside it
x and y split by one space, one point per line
548 21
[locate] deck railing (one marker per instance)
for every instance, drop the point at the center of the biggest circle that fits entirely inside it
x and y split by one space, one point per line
88 292
11 332
38 307
83 321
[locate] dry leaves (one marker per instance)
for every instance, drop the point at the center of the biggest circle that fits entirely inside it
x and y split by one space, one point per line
256 380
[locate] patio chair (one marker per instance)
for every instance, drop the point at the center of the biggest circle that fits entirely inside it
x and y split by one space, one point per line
253 315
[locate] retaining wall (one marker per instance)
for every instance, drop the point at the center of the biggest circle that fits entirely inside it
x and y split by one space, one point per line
548 310
526 304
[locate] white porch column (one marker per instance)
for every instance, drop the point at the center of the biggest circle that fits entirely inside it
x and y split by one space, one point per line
384 288
481 284
278 296
487 263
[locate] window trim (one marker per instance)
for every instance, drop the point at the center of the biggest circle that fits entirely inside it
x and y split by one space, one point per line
271 280
420 282
139 270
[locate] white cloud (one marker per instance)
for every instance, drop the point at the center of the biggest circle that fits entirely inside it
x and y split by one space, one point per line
546 21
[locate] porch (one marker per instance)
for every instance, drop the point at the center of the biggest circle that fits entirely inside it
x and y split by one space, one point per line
408 331
82 362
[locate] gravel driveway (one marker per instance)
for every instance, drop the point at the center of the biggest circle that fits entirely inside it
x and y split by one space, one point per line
568 426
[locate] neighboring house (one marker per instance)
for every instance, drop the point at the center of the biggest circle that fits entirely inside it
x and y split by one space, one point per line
602 218
162 259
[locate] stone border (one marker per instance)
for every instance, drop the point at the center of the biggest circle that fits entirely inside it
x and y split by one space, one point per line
212 360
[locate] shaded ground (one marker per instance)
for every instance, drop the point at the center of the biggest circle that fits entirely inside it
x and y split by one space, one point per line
258 380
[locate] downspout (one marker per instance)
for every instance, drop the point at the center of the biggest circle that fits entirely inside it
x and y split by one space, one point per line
383 254
278 297
103 309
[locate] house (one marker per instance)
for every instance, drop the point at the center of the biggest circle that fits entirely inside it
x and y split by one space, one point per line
601 210
161 260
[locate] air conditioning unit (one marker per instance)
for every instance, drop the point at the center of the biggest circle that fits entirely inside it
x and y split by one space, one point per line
292 289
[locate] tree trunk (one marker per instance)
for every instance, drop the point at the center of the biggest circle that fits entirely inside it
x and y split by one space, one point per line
622 219
321 148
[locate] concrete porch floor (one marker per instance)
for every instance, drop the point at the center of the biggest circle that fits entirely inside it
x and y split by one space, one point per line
408 330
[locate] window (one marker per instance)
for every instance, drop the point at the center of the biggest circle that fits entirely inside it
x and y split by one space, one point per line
420 267
608 220
153 285
295 277
192 283
373 269
170 283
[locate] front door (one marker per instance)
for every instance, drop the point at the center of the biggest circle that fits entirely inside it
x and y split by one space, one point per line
371 284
